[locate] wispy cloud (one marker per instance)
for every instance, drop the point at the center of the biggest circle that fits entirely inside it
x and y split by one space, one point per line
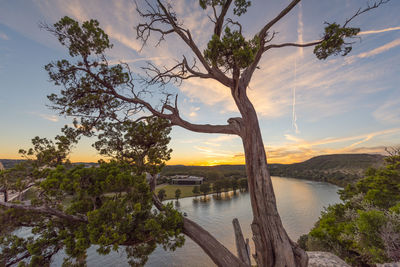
193 111
379 31
52 118
299 149
374 52
48 117
380 49
212 153
389 112
123 38
4 36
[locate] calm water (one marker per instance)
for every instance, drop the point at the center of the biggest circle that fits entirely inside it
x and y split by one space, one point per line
300 203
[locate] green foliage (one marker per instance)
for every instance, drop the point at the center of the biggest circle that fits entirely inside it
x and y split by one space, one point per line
177 193
81 40
162 194
339 169
243 184
217 186
142 144
205 188
365 229
196 190
334 41
89 81
240 6
235 185
232 51
118 206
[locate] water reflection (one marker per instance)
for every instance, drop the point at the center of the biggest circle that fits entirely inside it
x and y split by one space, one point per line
299 203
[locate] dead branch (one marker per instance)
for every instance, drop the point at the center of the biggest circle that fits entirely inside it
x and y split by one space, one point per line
368 8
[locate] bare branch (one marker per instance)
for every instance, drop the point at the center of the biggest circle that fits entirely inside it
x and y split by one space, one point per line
292 44
368 8
162 20
230 21
284 12
220 19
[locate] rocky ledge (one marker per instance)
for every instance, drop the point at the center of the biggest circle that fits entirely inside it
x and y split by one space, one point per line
325 259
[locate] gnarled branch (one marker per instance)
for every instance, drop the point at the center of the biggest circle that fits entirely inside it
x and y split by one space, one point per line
292 44
162 15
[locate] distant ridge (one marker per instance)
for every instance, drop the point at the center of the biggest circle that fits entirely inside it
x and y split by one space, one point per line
338 169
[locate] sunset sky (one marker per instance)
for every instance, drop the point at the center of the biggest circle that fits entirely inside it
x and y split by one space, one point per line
306 107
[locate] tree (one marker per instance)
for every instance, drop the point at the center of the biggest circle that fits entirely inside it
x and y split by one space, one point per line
235 185
205 189
217 187
142 144
243 184
196 190
74 207
177 193
226 184
162 194
96 91
365 228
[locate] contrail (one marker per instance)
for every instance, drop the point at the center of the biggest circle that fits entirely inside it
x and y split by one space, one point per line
300 39
294 117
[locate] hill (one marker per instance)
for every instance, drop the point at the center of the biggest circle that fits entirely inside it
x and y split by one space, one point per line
9 163
338 169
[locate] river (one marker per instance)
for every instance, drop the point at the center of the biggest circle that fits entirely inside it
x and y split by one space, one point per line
300 203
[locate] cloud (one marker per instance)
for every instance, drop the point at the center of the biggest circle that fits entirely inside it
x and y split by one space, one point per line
193 111
212 153
389 112
133 60
374 52
48 117
299 149
379 31
380 49
4 36
123 38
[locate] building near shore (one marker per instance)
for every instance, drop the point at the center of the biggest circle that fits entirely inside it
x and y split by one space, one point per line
187 180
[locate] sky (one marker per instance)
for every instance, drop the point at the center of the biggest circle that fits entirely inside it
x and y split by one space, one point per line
306 107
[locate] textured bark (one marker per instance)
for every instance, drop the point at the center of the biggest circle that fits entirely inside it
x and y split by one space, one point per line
273 245
241 246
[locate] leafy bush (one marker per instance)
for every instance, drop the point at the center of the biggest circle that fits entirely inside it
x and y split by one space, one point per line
365 228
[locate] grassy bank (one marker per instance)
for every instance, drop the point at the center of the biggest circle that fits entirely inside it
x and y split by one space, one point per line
186 190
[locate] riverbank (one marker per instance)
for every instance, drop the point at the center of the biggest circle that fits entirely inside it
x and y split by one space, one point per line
186 191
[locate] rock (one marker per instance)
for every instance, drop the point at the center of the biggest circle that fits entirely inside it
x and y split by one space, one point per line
325 259
391 264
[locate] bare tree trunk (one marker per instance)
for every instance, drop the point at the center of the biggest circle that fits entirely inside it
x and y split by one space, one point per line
242 247
273 245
